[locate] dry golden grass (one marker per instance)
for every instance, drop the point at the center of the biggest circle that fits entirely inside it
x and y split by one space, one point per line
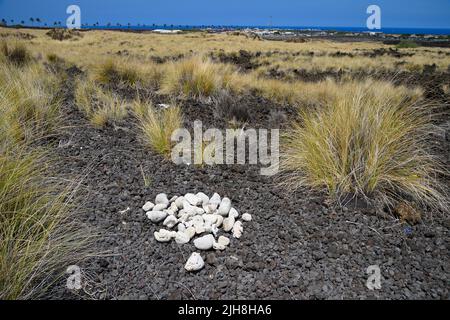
99 105
92 49
446 88
157 126
196 77
38 234
369 140
29 101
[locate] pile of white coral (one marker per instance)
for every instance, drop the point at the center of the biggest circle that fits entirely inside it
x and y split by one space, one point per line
195 215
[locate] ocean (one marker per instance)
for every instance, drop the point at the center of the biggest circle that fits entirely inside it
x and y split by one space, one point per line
431 31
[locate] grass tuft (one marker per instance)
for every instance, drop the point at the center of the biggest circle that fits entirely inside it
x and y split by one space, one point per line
369 140
16 54
38 233
100 106
197 77
157 126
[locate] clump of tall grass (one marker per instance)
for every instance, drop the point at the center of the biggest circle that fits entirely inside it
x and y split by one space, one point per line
113 72
369 140
99 105
197 77
29 101
129 73
16 54
406 44
38 236
157 126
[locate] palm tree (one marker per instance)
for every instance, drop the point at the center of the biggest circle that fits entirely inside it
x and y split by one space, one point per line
12 21
32 21
38 20
4 22
22 22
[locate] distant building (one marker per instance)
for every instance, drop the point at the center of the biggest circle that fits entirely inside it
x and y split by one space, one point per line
167 31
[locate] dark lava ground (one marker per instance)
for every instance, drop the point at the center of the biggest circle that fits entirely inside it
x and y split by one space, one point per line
296 246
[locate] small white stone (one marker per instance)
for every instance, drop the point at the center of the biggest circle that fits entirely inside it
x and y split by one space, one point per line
163 235
199 210
219 221
173 207
181 227
199 228
209 208
247 217
188 208
223 241
183 217
170 221
197 220
160 207
203 197
210 218
233 213
225 206
169 212
148 206
218 246
173 199
205 242
161 199
214 201
228 224
179 202
193 199
214 230
182 237
190 232
195 262
237 229
156 216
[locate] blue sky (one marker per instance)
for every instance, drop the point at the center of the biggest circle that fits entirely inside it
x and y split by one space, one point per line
337 13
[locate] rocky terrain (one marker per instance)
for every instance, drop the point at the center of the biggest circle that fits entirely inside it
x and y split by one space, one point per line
297 245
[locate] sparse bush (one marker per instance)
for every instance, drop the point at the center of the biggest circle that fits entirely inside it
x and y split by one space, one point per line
112 72
230 108
369 140
64 34
29 101
112 109
277 118
195 77
100 106
157 126
406 44
16 54
38 236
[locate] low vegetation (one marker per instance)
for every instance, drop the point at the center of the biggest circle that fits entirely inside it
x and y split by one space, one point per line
16 54
363 143
406 44
198 77
100 106
30 100
38 234
157 126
